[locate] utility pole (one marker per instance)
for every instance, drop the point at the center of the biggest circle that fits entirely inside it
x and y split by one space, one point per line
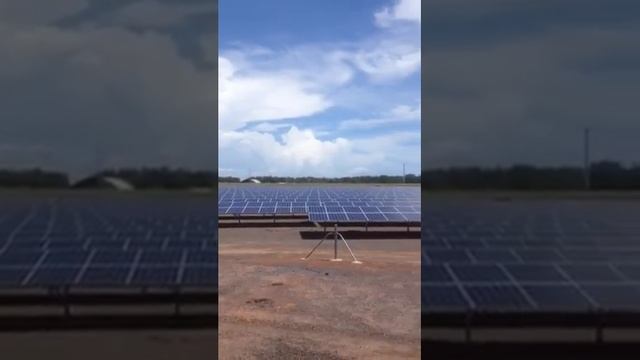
587 159
404 174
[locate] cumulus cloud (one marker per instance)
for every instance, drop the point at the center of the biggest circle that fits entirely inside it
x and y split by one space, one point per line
299 152
401 11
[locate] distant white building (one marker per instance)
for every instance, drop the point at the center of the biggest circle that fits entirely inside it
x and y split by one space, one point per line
104 182
251 181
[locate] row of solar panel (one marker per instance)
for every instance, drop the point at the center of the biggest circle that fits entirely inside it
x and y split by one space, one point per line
337 200
107 257
107 235
461 232
319 209
290 206
103 276
323 217
114 245
531 273
526 241
565 298
518 255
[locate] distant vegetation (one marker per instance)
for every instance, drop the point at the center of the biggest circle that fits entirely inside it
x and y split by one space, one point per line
605 175
381 179
34 178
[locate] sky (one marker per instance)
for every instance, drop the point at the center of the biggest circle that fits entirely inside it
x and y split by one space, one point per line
87 84
316 87
516 81
319 88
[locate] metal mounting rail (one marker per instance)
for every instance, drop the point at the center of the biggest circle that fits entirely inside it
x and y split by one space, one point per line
336 235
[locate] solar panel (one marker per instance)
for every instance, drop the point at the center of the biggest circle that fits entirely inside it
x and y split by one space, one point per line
561 297
497 297
442 298
96 242
324 205
479 273
530 257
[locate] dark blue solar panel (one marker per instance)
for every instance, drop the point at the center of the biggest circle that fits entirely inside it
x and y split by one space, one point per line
155 275
95 241
497 297
479 273
200 275
202 257
446 255
12 276
65 258
614 296
631 272
435 274
556 255
591 273
493 255
535 273
160 257
563 297
438 297
113 257
20 257
105 275
54 276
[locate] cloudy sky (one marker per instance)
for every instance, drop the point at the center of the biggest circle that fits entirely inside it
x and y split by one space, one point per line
316 87
516 81
91 83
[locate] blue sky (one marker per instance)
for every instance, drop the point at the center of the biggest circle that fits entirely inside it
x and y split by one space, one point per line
323 88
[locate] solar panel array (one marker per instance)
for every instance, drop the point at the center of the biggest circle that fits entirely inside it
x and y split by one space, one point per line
530 256
326 204
100 242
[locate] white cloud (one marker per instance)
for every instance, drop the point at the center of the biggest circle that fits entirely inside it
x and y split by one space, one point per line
399 115
259 87
296 152
269 127
389 61
299 152
402 10
263 96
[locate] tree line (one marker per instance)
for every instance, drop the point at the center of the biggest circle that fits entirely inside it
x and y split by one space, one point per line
604 175
33 178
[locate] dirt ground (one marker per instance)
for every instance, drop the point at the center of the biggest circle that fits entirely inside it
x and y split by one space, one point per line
273 305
